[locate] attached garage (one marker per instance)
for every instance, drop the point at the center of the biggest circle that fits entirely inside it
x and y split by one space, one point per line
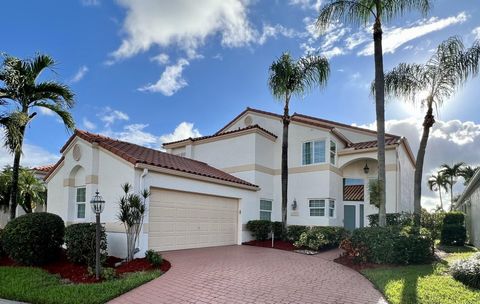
182 220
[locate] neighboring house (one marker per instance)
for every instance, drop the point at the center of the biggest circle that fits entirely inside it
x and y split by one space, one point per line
469 203
204 190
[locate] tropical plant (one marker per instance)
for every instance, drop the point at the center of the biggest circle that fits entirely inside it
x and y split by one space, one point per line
31 191
362 12
438 182
24 92
448 68
132 208
452 173
467 173
288 78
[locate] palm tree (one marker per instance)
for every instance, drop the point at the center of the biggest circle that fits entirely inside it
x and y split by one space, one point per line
467 173
287 78
362 12
438 182
451 173
448 68
31 190
23 90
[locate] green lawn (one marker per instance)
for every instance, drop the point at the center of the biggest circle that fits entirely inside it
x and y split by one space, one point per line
424 284
35 285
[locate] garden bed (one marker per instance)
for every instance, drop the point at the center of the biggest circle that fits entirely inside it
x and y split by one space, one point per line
75 273
278 244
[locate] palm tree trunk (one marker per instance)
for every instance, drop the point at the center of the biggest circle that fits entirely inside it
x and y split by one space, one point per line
286 122
440 193
15 174
380 112
428 122
451 192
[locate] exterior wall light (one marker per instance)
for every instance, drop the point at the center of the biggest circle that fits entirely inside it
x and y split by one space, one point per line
98 204
294 204
366 169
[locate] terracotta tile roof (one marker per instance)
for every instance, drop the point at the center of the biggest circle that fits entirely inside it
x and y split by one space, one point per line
221 134
44 169
353 193
373 143
136 154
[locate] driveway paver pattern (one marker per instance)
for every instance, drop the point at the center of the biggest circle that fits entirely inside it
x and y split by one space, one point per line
247 274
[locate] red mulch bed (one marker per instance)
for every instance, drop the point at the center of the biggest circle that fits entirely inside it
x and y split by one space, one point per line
348 261
76 273
278 244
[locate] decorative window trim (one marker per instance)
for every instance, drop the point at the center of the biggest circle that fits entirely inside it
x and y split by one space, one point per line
264 210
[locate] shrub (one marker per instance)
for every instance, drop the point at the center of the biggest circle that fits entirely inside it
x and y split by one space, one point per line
467 271
393 219
277 228
294 232
389 245
259 229
433 222
453 230
106 273
80 240
1 246
34 238
153 257
319 237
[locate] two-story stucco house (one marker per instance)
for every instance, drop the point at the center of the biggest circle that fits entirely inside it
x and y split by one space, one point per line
204 190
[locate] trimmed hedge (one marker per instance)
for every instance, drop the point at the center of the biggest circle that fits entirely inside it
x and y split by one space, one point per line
468 271
80 240
2 252
277 228
34 238
453 231
393 219
389 245
295 231
260 229
319 237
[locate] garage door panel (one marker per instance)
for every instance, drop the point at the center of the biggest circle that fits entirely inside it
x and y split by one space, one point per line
181 220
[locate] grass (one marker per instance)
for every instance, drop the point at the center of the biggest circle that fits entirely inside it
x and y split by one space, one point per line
424 284
35 285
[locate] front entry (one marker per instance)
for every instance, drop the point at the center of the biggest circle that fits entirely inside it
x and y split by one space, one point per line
349 217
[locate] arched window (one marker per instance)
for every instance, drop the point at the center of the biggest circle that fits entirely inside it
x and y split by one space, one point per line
78 190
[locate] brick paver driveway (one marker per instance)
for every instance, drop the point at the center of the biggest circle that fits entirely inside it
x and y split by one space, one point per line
246 274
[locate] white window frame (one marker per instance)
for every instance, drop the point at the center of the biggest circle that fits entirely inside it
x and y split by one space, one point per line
312 147
330 152
334 208
265 210
77 203
310 208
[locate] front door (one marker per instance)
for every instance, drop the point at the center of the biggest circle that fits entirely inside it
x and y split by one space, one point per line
349 217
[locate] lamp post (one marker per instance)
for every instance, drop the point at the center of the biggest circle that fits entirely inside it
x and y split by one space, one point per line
97 203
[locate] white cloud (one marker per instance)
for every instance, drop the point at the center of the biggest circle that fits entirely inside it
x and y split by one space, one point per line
450 142
32 156
82 71
161 58
89 125
270 31
45 111
307 4
182 131
109 116
397 36
171 80
328 42
476 32
162 23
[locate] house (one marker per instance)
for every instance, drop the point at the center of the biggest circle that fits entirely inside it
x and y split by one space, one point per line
469 203
204 190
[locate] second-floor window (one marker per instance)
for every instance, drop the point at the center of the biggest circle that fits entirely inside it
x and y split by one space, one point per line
333 152
313 152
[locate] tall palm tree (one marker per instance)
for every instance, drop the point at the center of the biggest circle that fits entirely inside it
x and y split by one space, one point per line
362 12
467 173
438 182
451 173
288 78
448 68
31 190
25 92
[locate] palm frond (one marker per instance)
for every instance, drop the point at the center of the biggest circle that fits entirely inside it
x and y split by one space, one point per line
64 115
355 12
38 64
395 8
405 80
57 92
315 71
11 124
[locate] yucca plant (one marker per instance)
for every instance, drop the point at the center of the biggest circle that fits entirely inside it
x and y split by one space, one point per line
132 208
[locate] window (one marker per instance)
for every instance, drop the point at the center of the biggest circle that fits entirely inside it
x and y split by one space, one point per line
313 152
317 207
80 202
331 208
333 152
266 210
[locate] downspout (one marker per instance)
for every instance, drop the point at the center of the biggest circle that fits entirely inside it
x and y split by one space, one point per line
142 179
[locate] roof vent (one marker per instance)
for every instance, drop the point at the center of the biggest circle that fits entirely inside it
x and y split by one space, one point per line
248 121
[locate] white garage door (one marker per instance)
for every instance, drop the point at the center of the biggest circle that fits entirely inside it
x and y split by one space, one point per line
181 220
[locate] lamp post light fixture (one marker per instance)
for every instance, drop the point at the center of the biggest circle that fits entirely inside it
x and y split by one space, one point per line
98 204
366 169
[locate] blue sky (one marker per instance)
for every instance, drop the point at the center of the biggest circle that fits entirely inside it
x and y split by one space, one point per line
156 70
